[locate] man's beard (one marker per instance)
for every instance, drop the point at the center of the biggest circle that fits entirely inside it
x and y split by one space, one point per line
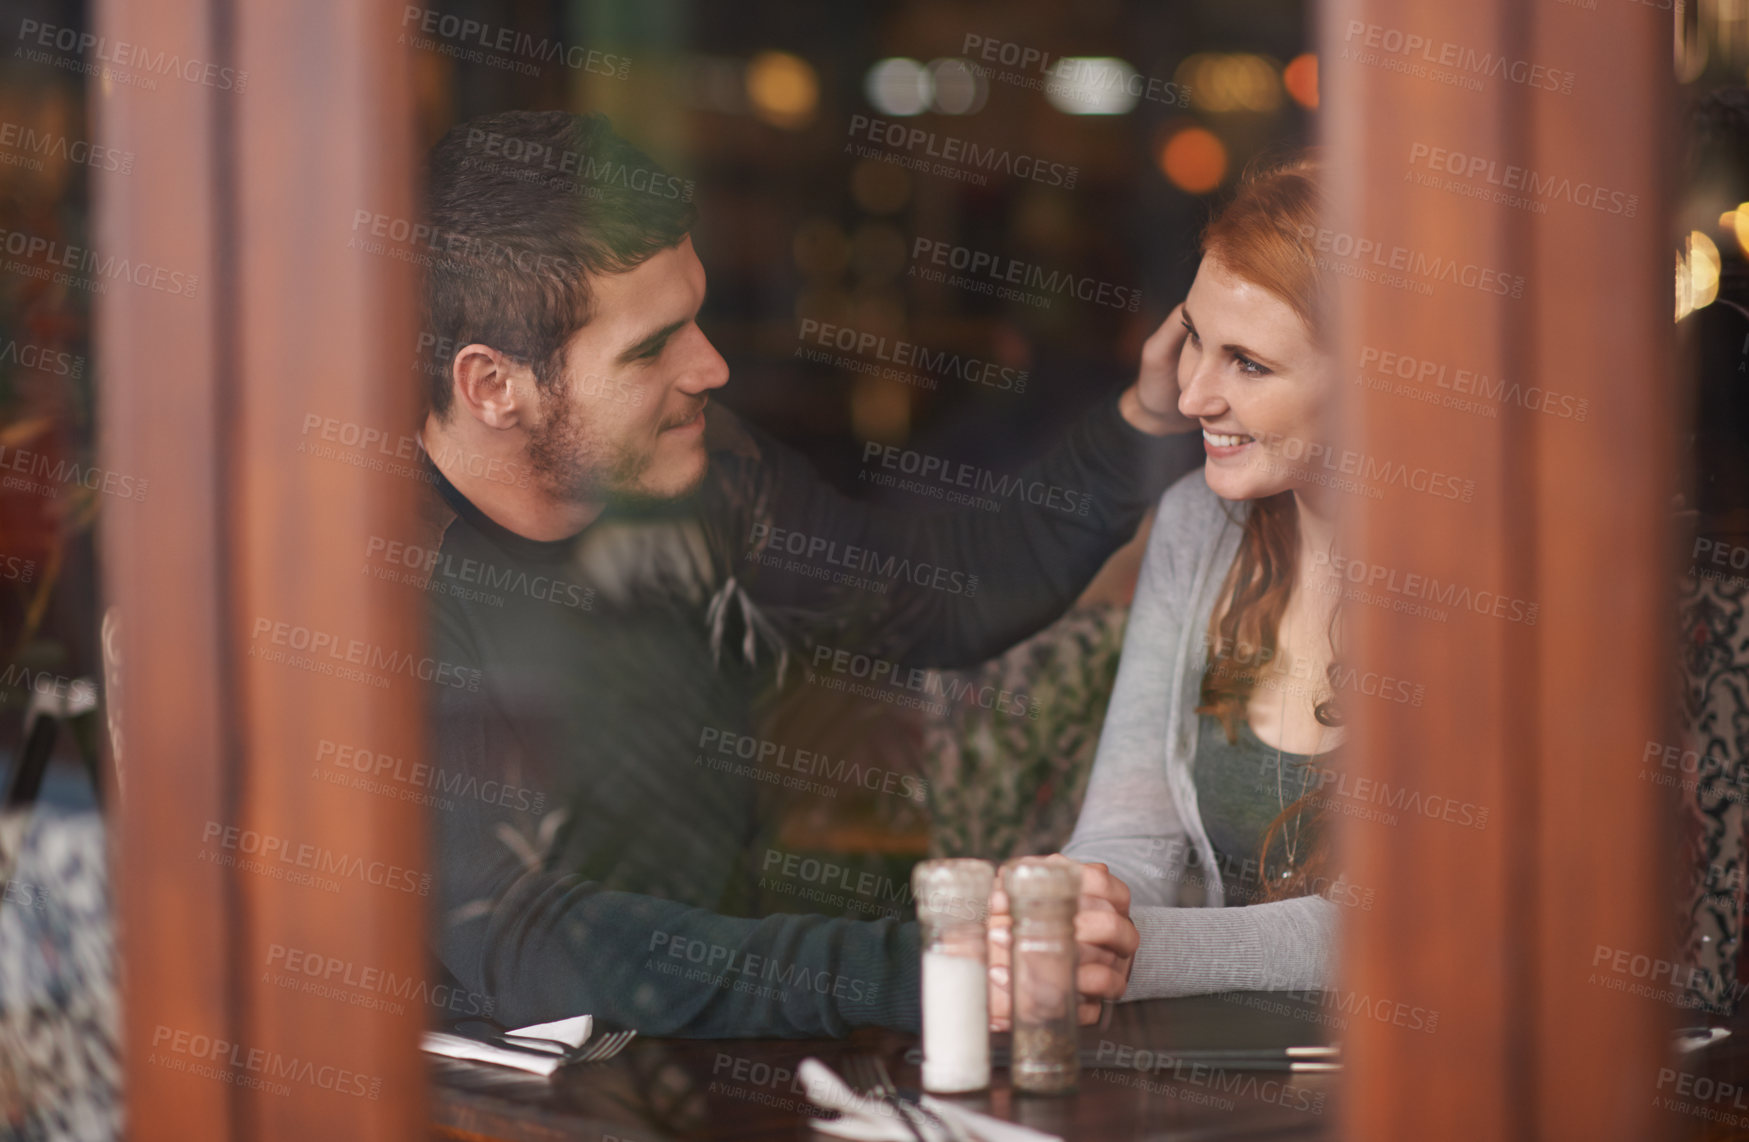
571 464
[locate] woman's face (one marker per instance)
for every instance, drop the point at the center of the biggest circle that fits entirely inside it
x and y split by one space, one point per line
1250 372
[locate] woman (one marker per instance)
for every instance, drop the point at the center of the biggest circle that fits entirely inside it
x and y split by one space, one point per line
1205 784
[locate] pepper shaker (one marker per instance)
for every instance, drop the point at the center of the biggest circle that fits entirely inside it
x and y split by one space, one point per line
1042 896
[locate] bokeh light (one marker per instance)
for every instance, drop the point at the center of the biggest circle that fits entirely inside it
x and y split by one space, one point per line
1697 274
1231 82
1736 223
1194 160
1092 85
1300 77
898 86
959 90
783 89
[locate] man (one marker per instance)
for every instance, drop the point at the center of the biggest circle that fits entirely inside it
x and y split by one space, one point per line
598 526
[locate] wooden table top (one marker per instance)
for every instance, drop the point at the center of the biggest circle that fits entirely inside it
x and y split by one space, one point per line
746 1088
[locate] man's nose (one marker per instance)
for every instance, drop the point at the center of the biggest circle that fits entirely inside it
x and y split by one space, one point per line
706 369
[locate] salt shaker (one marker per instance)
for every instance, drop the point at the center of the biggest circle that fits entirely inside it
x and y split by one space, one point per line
953 909
1041 899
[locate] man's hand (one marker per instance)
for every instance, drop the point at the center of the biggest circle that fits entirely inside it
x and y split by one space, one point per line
1151 404
1104 934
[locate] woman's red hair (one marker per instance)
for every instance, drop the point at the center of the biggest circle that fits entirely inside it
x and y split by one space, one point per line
1264 236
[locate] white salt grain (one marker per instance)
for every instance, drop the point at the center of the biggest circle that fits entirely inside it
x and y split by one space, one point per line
956 1023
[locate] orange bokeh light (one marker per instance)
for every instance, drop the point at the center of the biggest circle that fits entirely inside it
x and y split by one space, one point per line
1300 77
1194 160
782 89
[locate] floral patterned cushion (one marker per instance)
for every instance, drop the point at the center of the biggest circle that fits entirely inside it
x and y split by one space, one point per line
1003 784
60 1065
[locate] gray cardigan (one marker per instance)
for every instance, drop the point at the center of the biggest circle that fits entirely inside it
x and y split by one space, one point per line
1140 817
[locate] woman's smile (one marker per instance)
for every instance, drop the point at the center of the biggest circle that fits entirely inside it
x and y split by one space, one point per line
1225 445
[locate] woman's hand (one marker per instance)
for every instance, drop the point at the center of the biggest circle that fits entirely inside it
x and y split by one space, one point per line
1105 939
1151 404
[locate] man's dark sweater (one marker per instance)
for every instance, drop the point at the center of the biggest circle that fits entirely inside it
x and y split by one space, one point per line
591 860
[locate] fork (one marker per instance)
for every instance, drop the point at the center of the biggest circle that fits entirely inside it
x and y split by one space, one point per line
868 1075
598 1051
604 1048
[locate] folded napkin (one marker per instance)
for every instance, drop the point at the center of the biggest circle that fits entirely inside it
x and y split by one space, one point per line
572 1032
871 1120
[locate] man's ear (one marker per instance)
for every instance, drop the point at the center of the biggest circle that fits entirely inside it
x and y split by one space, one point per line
492 388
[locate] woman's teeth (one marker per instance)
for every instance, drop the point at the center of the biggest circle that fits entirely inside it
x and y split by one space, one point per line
1222 440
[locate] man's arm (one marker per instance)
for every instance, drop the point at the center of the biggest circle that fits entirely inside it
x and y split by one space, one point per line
551 945
543 943
954 586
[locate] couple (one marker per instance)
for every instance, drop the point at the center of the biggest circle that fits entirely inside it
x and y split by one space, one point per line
634 624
